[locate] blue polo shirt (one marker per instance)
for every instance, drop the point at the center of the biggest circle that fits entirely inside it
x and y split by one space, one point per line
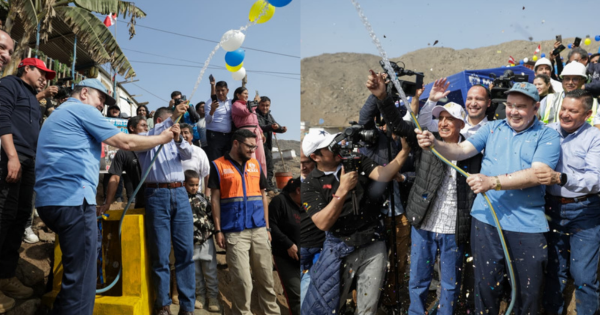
68 155
506 152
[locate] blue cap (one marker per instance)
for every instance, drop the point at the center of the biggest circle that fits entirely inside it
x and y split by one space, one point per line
96 84
526 89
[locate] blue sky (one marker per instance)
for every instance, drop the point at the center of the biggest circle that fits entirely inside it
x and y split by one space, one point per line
334 26
210 20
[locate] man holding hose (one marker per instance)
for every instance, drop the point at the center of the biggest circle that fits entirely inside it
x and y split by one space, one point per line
515 148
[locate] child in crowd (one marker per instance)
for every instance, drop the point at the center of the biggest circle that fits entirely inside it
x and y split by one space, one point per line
205 257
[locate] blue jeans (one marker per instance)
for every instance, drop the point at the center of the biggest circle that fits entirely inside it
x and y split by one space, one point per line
307 257
77 234
425 245
169 220
573 249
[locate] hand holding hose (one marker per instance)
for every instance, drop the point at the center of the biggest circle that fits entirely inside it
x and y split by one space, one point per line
480 183
425 139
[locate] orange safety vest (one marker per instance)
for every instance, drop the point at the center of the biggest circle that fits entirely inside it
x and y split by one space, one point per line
241 198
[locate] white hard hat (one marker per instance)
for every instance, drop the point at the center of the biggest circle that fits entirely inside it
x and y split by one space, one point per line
574 68
543 61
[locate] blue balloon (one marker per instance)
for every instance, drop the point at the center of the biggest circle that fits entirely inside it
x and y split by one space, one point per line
235 58
570 46
321 121
279 3
521 62
543 55
597 38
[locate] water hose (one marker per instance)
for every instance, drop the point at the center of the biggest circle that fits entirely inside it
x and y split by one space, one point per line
394 80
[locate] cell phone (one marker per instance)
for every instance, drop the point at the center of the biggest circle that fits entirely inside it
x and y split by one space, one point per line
559 38
211 78
214 97
577 42
257 93
558 49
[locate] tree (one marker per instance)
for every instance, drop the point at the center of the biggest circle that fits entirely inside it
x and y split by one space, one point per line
91 33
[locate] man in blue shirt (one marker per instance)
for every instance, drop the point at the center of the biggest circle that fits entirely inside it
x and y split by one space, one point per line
66 179
218 121
515 148
169 214
573 207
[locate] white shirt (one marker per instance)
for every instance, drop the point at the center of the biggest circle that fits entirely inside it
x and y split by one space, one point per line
556 85
199 163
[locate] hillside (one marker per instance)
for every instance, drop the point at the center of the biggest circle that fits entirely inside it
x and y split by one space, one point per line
333 85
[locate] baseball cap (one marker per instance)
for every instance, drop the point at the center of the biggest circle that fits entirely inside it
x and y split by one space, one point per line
526 89
96 84
50 74
316 139
452 108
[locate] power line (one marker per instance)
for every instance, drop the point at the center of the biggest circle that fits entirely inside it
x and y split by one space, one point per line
209 40
160 98
214 67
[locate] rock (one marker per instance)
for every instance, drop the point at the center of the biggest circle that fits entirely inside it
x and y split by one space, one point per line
28 307
46 236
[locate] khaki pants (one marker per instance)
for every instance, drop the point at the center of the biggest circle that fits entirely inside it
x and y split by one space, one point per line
251 249
402 250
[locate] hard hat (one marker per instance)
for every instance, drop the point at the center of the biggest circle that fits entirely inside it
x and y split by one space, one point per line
574 68
543 61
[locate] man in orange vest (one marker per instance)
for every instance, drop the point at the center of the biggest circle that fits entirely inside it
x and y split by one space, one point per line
241 220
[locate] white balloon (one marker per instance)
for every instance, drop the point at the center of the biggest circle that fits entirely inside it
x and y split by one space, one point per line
240 74
526 60
232 40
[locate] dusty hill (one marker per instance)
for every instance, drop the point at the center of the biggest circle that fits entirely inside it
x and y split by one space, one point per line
333 85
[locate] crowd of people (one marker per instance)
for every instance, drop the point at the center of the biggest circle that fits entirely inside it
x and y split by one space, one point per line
207 186
539 167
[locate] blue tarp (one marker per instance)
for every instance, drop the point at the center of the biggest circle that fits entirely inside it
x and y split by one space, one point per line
461 82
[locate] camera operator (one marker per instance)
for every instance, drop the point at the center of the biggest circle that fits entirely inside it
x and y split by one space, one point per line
338 203
191 117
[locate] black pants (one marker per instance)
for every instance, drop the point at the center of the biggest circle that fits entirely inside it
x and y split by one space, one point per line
289 274
529 255
218 144
15 209
270 166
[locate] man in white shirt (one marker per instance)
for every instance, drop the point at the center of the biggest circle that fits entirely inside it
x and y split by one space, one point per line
199 161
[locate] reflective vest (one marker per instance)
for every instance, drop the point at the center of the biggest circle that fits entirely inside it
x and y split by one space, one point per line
241 198
553 103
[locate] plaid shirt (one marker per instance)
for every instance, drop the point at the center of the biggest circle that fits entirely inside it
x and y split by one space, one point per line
203 222
441 217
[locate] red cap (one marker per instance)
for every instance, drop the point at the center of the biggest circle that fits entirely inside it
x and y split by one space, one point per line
50 74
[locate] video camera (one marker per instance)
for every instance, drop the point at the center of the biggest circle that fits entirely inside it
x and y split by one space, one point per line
409 88
501 85
346 144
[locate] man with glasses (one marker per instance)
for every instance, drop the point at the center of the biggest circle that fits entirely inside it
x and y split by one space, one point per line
478 101
574 77
515 149
241 218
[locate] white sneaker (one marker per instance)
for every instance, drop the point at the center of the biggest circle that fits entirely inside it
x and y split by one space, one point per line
30 237
35 214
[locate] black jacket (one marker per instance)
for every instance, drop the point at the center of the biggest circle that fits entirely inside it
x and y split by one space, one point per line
428 178
284 221
265 121
20 114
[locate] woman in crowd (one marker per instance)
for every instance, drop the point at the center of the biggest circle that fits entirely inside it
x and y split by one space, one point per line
142 110
543 85
284 220
244 116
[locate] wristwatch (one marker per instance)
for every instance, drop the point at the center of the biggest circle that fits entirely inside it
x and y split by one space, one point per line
217 232
498 185
268 229
563 179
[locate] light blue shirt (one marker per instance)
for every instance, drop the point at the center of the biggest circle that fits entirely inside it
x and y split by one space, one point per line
580 160
167 168
506 152
68 155
220 121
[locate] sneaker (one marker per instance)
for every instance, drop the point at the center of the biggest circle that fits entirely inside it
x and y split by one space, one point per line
6 303
198 305
30 237
15 289
213 305
35 213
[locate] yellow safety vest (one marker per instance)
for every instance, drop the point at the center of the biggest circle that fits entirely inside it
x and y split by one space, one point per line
554 101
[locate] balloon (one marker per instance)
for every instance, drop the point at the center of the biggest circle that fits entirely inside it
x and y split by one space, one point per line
235 58
526 60
238 75
521 62
279 3
587 41
256 10
535 58
234 69
232 40
570 46
321 121
597 38
543 55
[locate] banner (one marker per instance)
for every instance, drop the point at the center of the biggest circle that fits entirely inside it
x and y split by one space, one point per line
108 151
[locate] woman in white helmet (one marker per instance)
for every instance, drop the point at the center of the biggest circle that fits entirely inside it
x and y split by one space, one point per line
544 66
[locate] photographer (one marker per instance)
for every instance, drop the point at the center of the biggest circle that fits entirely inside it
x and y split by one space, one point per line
338 203
191 116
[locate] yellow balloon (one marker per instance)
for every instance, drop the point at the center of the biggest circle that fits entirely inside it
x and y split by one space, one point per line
257 9
535 58
234 69
587 41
